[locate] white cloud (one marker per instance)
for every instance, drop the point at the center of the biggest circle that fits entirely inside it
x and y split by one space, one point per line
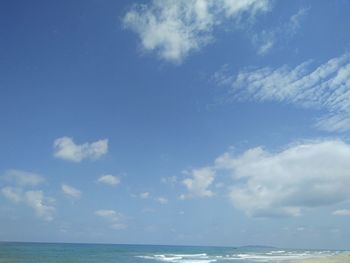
342 212
12 194
173 29
115 219
295 20
70 191
162 200
265 40
109 179
66 149
282 184
197 185
34 199
325 87
106 213
144 195
23 178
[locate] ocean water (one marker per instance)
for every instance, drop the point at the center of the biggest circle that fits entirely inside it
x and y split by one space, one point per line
100 253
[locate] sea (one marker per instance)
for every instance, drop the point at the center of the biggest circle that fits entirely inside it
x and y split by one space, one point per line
101 253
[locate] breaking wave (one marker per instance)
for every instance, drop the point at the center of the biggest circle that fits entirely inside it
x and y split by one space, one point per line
274 256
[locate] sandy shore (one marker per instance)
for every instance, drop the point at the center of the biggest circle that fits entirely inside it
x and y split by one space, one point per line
341 258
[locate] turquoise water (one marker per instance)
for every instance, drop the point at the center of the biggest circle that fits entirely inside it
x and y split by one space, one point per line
98 253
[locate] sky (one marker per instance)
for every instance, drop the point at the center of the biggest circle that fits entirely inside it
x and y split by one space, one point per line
189 122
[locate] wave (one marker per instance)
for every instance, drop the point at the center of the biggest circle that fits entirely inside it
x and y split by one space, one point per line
268 256
181 258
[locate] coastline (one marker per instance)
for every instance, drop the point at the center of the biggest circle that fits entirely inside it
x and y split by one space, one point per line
340 258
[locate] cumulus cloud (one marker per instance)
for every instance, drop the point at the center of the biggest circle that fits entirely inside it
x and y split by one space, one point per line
70 191
173 29
65 148
197 185
23 178
282 184
115 219
109 179
342 212
325 87
34 199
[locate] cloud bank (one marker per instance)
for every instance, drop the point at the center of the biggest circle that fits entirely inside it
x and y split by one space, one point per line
325 87
66 149
173 29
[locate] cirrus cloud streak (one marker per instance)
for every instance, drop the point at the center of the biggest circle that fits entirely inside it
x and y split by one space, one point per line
325 87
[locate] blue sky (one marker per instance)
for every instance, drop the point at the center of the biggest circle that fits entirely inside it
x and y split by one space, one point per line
175 122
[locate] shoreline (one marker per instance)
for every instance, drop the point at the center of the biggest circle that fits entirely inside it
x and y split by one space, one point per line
339 258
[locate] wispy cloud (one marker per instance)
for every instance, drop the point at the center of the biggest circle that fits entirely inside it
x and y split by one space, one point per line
109 179
304 175
171 180
325 87
12 194
39 203
70 191
173 29
34 199
342 212
18 192
23 178
162 200
145 195
65 148
115 219
265 40
198 183
295 21
106 213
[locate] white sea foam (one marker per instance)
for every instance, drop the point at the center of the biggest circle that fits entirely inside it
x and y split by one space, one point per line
181 258
280 255
273 256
